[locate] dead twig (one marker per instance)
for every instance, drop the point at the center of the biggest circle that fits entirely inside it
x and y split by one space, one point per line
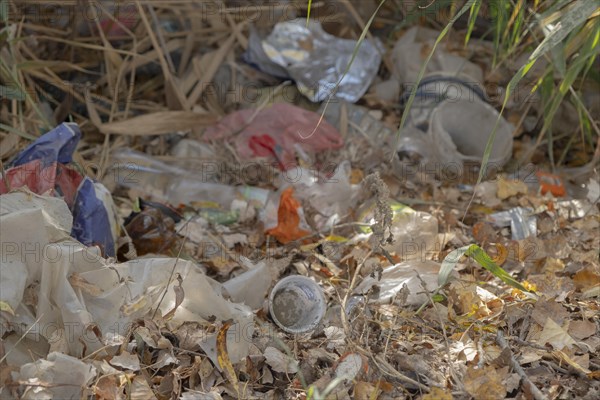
525 381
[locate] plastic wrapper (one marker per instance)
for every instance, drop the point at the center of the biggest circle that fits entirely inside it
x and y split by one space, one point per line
276 133
573 209
316 60
291 224
522 222
44 168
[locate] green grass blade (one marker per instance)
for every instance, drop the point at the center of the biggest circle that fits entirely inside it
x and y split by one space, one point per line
572 18
473 13
308 12
589 50
483 259
361 38
4 11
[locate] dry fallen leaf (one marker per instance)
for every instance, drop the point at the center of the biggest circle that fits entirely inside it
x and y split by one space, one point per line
349 366
158 123
582 329
366 391
586 278
280 362
179 296
108 388
126 361
78 282
509 187
484 383
437 393
555 335
140 390
564 358
223 356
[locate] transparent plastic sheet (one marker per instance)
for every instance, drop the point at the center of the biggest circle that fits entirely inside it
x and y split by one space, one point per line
316 60
415 232
450 123
86 303
360 121
394 278
450 105
435 89
70 374
333 196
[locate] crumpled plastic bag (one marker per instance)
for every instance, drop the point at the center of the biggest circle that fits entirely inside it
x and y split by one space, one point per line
274 133
43 168
411 50
316 60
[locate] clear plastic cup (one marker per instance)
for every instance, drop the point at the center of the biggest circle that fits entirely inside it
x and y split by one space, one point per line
297 304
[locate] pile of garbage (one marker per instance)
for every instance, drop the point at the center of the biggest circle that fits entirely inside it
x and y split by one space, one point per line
278 222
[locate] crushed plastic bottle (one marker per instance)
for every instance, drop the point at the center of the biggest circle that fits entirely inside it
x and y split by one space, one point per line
169 184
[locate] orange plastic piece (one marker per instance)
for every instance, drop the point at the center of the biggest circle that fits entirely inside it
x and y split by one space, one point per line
288 219
551 183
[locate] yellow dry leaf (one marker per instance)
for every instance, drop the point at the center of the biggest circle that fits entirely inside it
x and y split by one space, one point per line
78 282
179 296
569 360
555 335
223 356
509 187
4 306
485 383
